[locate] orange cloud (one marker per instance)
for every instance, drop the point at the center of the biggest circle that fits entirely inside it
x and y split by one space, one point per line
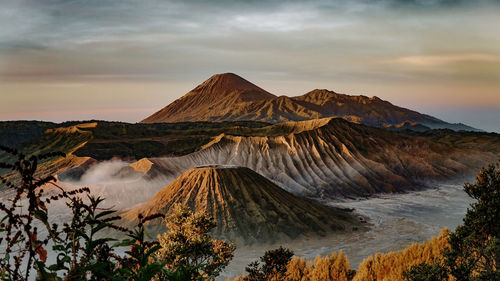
437 60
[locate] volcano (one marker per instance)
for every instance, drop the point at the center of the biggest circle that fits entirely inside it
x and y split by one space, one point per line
211 100
246 206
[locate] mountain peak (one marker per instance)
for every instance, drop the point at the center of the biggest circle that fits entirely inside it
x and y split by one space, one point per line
228 83
227 77
211 100
321 96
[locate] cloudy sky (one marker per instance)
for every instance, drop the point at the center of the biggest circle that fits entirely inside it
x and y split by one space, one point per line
123 60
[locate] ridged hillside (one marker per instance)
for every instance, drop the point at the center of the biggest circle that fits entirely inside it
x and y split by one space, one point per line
246 206
320 157
228 97
335 158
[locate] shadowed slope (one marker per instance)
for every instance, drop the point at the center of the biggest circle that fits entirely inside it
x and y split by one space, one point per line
246 205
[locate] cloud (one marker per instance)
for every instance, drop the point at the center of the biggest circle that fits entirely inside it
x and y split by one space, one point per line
156 40
438 60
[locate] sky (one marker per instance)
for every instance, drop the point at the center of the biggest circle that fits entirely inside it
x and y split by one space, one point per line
123 59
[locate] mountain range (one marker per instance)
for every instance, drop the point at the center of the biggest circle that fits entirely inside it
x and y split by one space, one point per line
261 165
229 97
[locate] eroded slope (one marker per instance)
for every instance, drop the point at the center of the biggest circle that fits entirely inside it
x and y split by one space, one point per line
333 157
246 206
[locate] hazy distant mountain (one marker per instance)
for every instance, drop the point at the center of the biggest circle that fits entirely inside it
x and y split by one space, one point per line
228 97
246 205
407 125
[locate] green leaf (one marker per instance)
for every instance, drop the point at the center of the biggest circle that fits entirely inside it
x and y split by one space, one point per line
153 250
100 227
41 215
58 248
105 213
82 234
123 243
150 270
101 241
54 267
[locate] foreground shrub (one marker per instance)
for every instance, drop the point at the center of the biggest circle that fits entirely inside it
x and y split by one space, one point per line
187 244
333 268
474 252
391 266
81 254
272 266
81 247
426 272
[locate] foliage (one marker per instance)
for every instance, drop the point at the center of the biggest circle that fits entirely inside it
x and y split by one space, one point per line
80 254
426 272
474 247
21 244
333 268
298 269
273 267
390 266
474 252
140 263
188 245
330 268
82 247
336 267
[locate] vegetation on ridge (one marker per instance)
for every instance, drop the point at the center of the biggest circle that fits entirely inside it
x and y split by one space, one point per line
336 267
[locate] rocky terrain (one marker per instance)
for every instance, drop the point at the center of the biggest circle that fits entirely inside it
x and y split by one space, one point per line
246 206
228 97
325 158
333 158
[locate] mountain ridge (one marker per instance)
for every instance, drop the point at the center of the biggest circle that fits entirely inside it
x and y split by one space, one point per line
229 97
320 158
334 158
